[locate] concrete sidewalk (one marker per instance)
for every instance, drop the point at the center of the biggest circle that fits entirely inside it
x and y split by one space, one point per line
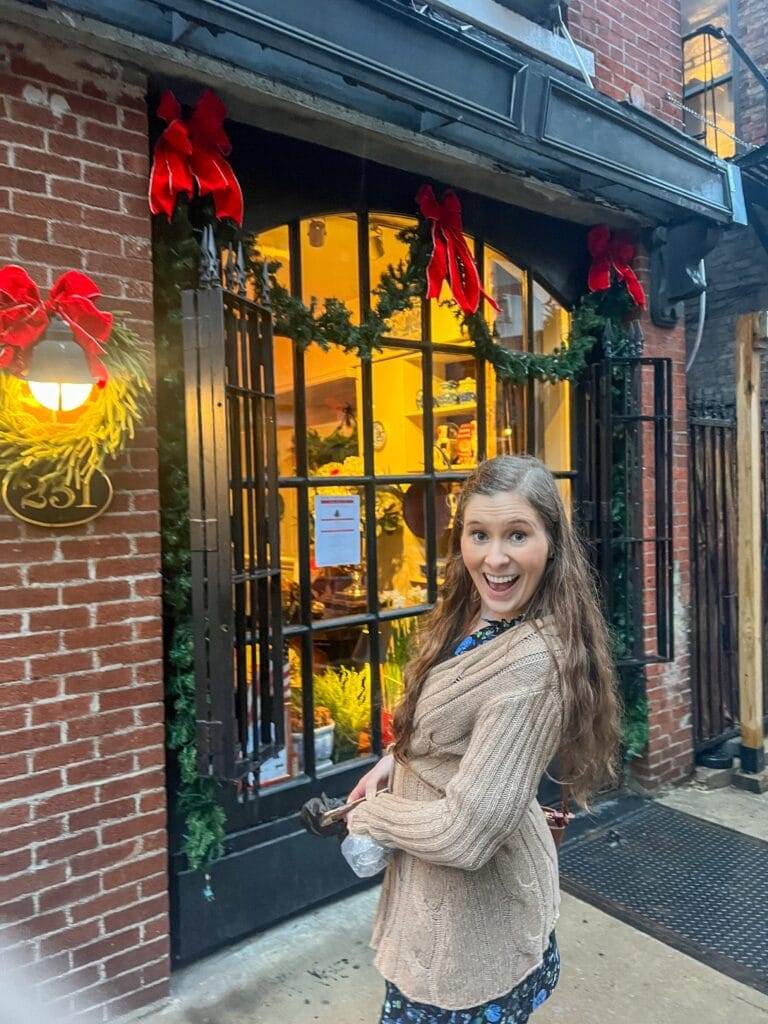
317 969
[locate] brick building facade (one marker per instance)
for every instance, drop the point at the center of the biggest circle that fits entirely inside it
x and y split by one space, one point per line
640 48
83 881
737 268
84 889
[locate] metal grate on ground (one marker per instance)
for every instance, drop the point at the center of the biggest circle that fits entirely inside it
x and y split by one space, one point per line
696 886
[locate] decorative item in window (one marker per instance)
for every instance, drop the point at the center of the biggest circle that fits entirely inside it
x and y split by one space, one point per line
70 388
316 232
379 436
465 391
194 151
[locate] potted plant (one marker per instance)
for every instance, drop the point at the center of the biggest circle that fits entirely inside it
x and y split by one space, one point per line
324 727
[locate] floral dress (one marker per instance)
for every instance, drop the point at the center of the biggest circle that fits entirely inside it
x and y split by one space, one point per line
516 1006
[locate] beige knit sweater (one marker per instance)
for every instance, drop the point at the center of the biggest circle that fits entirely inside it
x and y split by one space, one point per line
470 893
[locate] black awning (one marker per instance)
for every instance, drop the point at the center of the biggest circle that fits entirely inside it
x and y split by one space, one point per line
404 65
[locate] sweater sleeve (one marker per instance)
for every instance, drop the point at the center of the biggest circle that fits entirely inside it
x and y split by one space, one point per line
513 740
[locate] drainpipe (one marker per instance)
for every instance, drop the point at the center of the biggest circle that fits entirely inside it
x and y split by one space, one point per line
702 316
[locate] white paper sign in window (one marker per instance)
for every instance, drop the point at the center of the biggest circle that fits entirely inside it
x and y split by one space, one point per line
337 529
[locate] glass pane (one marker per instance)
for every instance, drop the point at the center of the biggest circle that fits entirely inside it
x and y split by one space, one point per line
455 401
341 682
507 284
396 638
566 493
398 418
287 762
385 249
333 397
284 407
507 416
329 264
288 505
400 544
716 105
337 551
447 494
552 402
446 316
273 245
704 58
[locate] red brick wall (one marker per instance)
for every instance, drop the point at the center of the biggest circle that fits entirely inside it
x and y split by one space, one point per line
668 686
634 44
83 867
639 44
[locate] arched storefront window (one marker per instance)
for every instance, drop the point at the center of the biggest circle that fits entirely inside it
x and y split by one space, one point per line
397 434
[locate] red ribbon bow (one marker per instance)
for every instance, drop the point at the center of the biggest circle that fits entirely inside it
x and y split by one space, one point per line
615 251
194 150
451 257
24 318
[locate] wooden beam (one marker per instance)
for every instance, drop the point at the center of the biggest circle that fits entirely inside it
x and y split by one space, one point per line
749 542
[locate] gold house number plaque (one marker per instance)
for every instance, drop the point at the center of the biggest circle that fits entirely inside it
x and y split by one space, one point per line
34 501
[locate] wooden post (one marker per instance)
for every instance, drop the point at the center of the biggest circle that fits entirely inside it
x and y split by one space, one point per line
749 338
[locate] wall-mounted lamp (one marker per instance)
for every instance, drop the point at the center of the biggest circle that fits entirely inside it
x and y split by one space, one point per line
316 232
59 378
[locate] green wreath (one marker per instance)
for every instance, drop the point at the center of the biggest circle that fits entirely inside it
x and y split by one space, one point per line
70 452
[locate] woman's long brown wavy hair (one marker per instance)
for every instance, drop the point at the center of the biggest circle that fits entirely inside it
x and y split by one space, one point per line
588 754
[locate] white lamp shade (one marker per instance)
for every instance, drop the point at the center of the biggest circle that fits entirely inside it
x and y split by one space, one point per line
59 377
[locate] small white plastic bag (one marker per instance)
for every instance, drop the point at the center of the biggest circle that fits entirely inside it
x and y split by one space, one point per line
364 855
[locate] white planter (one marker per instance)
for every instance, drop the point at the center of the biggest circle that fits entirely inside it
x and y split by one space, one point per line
323 745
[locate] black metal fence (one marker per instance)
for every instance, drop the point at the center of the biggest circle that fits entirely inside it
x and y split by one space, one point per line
715 613
624 406
234 536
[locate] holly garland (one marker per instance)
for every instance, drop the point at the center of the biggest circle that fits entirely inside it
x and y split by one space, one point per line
405 283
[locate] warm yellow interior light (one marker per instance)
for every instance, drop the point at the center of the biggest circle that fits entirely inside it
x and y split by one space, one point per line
60 397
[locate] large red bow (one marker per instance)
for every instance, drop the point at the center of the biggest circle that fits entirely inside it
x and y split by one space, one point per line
24 317
451 257
615 251
194 150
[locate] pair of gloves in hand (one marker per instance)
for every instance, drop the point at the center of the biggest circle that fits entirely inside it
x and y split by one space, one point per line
312 812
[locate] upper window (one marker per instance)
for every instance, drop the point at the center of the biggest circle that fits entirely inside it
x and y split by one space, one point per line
708 76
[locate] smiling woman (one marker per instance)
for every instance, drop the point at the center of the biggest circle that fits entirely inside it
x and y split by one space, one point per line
505 549
480 721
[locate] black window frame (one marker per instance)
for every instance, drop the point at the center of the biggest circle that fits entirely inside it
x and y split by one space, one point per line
280 797
710 87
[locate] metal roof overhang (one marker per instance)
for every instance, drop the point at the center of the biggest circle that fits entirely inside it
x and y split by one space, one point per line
396 71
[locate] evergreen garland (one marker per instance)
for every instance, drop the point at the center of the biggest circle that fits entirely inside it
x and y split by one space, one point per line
406 282
176 268
176 259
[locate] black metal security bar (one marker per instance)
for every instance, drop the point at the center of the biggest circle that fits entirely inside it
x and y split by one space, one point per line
714 589
232 455
625 490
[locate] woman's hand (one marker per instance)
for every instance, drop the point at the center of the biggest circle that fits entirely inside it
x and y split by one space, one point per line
377 778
